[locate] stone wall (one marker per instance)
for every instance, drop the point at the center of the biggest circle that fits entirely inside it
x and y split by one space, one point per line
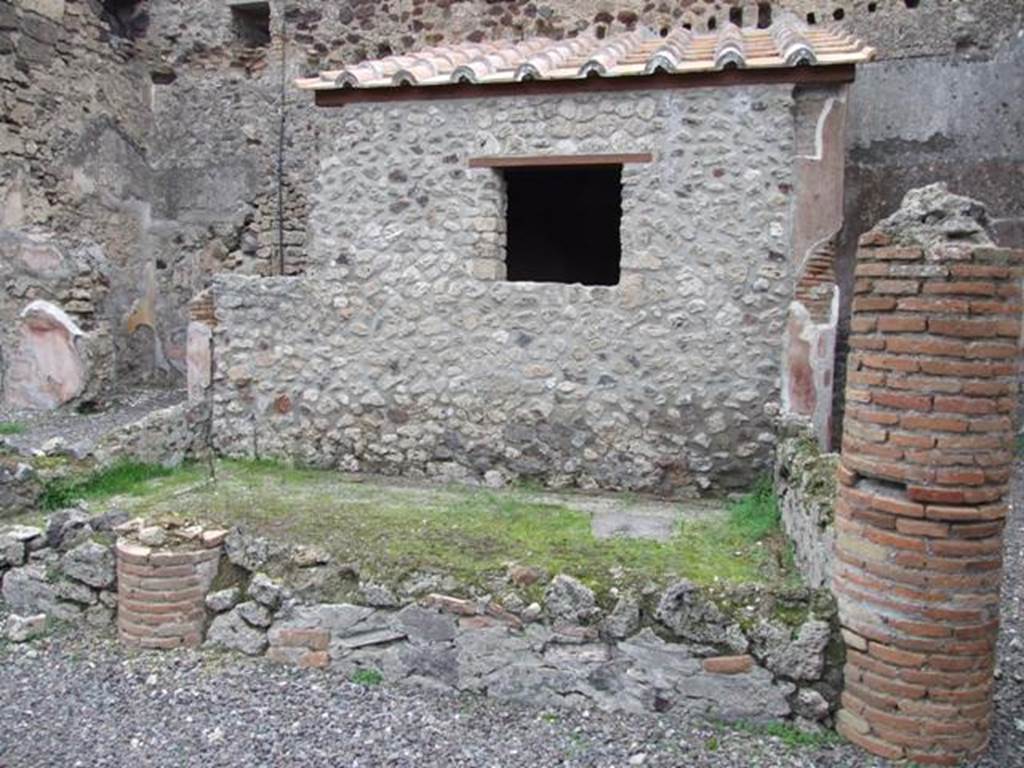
114 122
733 653
408 352
64 571
805 488
74 182
928 449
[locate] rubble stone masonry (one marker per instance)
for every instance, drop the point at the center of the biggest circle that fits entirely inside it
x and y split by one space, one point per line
405 352
926 463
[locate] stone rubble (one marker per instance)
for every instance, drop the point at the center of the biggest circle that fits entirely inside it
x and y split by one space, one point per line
21 629
677 650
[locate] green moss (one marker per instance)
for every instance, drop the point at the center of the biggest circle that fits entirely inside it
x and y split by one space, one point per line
790 615
11 428
367 676
390 532
788 734
756 516
127 477
50 463
104 538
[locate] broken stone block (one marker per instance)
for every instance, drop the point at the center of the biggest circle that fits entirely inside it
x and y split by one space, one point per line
799 658
90 563
224 600
624 620
75 592
265 592
425 624
21 629
255 615
12 552
686 610
231 631
47 368
153 536
68 527
379 595
27 592
569 599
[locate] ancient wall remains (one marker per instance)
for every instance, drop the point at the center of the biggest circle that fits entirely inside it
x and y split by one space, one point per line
114 121
928 450
732 653
408 351
74 181
805 490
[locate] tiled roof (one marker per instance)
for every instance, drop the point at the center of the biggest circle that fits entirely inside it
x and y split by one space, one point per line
786 43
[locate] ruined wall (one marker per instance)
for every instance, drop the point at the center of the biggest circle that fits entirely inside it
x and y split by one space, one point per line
405 353
805 489
73 177
156 131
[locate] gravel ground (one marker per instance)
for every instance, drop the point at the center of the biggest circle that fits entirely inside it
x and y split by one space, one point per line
81 701
82 430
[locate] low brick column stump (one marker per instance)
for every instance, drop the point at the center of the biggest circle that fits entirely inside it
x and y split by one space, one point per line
927 458
161 592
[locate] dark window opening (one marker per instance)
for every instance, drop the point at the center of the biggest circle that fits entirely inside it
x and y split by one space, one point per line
872 7
163 76
127 18
563 224
251 24
812 19
838 14
912 3
764 15
736 16
712 24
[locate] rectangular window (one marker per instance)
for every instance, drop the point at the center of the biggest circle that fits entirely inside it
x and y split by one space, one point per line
251 23
563 223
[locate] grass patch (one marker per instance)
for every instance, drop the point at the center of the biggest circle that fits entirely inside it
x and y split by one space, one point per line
11 428
392 531
123 478
367 676
756 516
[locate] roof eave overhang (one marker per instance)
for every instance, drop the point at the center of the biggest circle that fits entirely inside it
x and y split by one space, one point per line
833 74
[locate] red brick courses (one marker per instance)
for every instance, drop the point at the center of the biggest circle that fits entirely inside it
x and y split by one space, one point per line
161 595
923 484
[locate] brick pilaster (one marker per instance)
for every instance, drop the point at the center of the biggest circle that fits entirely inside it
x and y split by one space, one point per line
927 457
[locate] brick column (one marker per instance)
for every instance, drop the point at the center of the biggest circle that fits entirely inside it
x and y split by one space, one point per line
927 456
161 595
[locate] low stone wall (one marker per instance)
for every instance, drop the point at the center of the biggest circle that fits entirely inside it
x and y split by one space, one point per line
744 653
166 436
805 485
740 654
64 571
19 486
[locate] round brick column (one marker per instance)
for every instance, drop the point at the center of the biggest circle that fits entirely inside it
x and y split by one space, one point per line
161 595
927 457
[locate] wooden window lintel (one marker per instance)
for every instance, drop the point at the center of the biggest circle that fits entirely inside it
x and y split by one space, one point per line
540 161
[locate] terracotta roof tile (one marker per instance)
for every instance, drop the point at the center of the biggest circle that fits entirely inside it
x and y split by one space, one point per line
789 42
